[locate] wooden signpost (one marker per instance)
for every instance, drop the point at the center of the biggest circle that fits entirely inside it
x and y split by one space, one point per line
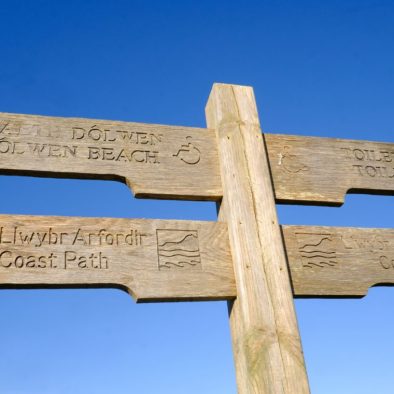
267 348
183 163
155 161
245 257
168 260
323 170
154 260
338 261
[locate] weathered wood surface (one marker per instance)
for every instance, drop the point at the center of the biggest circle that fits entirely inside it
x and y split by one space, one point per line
182 162
65 251
266 343
323 170
153 259
154 160
338 261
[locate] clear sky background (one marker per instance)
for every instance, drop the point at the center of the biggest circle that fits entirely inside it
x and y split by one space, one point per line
318 68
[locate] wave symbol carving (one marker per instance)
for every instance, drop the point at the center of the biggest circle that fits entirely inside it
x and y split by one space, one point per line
178 249
319 254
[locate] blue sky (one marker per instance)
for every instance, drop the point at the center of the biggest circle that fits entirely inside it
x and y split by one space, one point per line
318 68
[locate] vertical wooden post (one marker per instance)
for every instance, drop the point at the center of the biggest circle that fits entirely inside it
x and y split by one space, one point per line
267 348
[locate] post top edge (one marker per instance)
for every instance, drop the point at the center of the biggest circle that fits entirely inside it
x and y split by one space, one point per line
228 85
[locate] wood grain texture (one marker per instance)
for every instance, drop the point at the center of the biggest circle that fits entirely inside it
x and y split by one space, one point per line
266 343
153 260
182 162
338 261
323 170
154 160
67 252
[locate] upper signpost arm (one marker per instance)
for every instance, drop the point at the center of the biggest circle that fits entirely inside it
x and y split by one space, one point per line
154 160
321 171
176 162
267 347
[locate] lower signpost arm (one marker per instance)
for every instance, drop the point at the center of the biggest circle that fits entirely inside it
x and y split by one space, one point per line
154 260
267 348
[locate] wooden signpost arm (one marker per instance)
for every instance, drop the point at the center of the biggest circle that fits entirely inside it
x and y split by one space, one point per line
182 162
267 347
179 260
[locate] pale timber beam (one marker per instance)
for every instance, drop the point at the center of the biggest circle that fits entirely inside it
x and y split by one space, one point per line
267 348
166 260
338 261
182 162
322 170
154 160
154 260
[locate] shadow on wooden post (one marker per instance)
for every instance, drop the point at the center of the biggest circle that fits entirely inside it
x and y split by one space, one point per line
267 348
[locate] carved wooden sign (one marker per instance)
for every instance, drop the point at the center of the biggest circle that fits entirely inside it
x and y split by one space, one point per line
182 162
156 260
157 161
322 170
338 261
151 259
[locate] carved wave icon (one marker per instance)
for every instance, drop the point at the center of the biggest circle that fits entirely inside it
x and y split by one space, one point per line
180 253
319 254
